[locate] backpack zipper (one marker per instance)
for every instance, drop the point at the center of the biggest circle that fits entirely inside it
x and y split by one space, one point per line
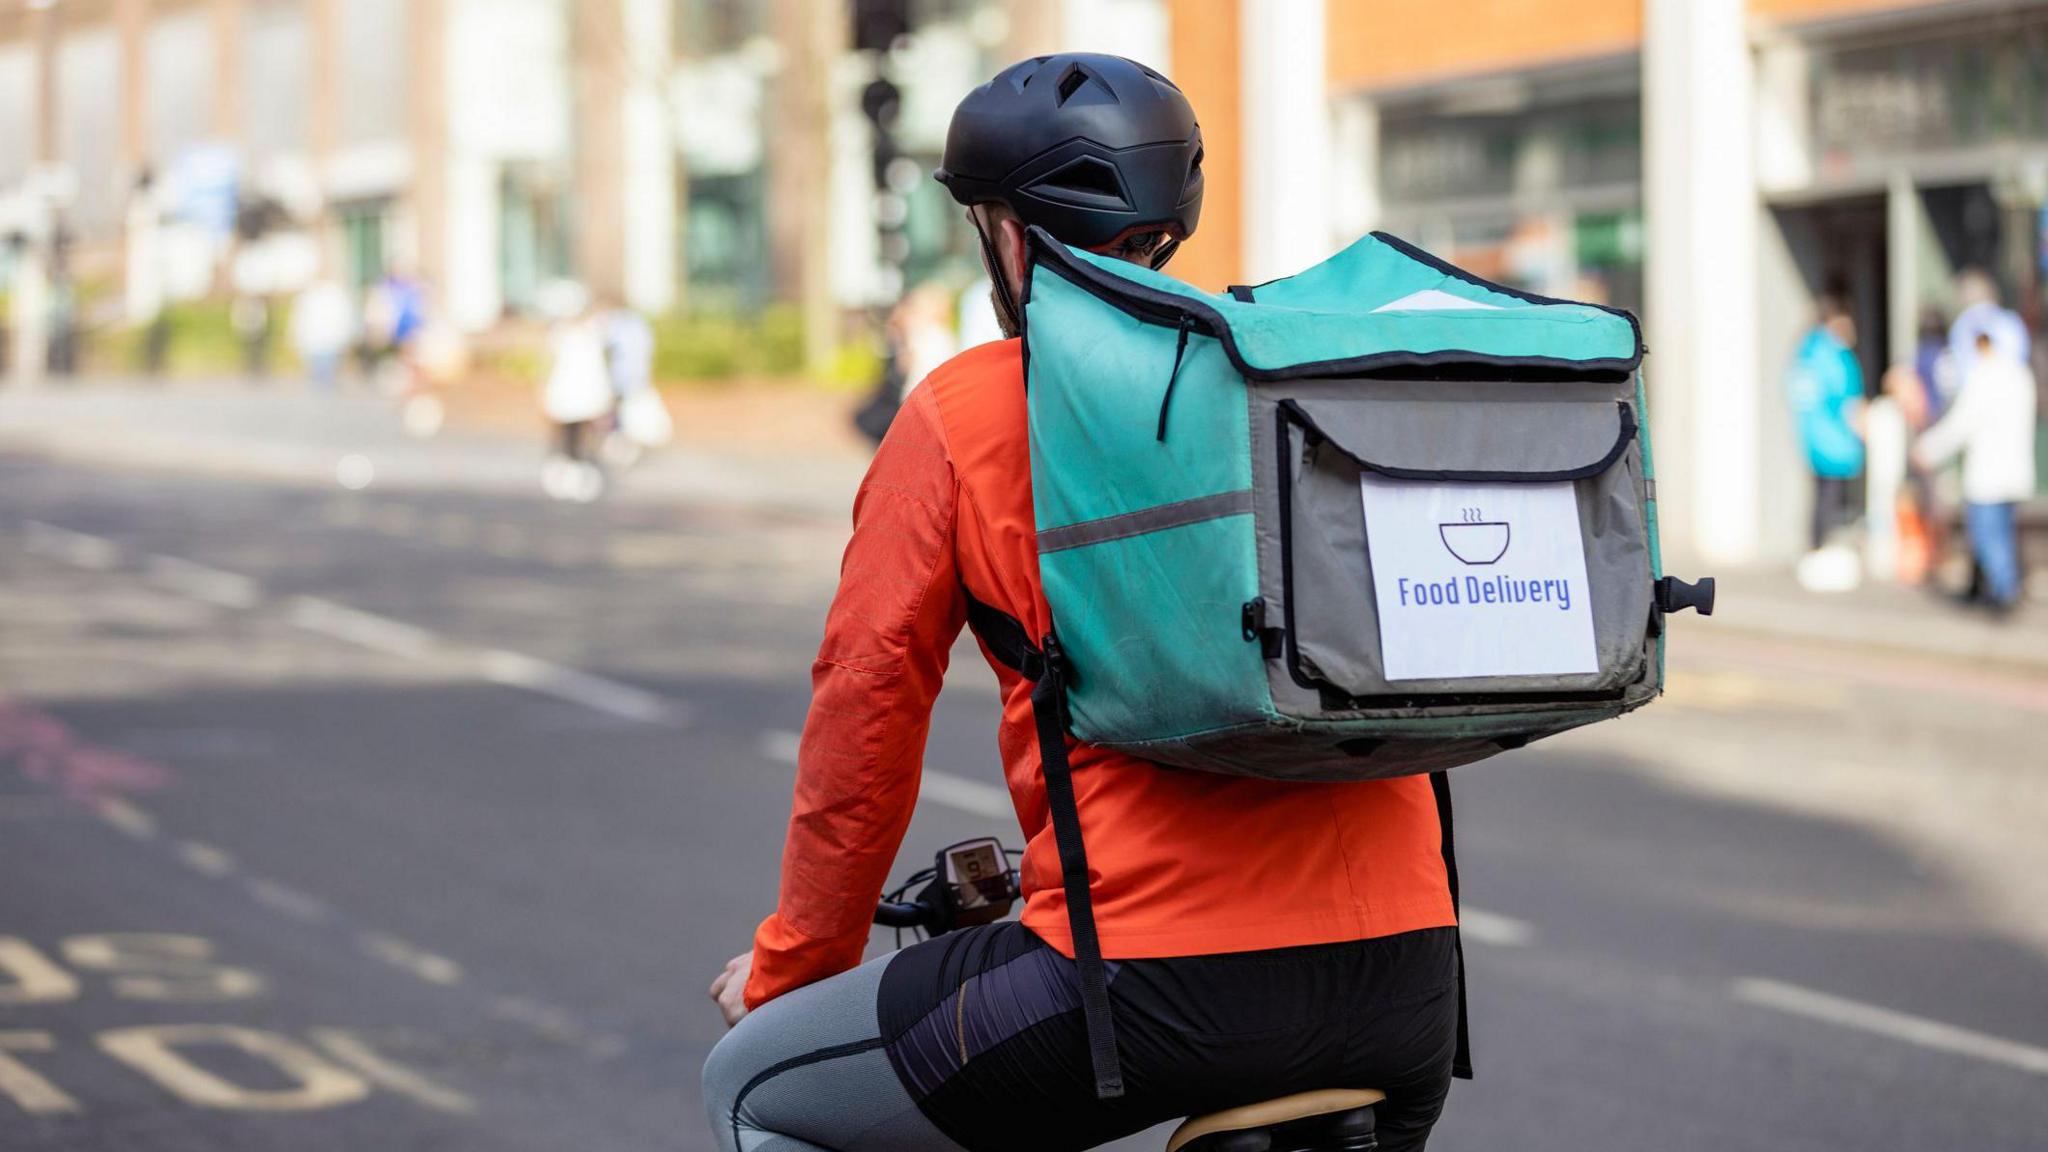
1180 347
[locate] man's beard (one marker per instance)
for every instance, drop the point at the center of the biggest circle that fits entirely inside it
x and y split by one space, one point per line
1008 326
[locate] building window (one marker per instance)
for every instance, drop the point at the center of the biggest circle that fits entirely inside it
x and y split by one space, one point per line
533 234
725 243
708 27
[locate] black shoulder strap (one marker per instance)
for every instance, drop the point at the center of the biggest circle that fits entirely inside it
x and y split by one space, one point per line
1010 644
1440 783
1241 292
1041 664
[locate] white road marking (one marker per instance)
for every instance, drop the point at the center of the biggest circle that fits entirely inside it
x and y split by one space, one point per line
971 796
1895 1025
285 899
204 858
578 687
418 961
1492 928
75 548
128 818
367 629
779 746
199 582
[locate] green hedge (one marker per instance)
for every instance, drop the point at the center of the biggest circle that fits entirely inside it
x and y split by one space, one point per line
202 342
717 346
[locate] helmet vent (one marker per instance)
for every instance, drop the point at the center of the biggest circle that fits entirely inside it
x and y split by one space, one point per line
1076 78
1021 75
1086 180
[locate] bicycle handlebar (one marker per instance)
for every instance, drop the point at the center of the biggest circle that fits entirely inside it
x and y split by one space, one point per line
907 914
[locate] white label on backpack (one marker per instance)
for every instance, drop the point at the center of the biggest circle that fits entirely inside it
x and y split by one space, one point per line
1478 579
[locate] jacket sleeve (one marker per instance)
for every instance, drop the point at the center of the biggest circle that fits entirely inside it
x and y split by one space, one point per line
892 624
1941 442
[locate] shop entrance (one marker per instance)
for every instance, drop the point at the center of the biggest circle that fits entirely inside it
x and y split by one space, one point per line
1841 250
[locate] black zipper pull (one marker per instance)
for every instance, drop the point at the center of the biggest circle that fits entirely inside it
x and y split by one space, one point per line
1180 348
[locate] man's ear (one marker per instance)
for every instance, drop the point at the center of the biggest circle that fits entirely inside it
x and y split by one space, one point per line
1016 248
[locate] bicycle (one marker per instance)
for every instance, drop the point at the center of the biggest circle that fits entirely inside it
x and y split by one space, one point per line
975 882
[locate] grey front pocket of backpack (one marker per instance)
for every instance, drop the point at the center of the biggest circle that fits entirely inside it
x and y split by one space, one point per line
1464 437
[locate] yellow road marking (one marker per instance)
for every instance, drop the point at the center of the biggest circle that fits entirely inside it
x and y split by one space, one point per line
283 898
162 966
23 1084
35 978
418 961
557 1025
1739 692
205 859
349 1048
128 818
153 1050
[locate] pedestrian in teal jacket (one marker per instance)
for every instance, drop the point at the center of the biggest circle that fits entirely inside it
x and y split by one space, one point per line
1826 391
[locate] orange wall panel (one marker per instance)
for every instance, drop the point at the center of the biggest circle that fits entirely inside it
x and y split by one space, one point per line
1390 43
1792 11
1205 65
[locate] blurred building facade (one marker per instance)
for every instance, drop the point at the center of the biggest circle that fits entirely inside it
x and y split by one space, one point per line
1712 164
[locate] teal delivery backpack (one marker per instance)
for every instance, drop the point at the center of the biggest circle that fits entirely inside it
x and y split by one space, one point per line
1376 519
1379 518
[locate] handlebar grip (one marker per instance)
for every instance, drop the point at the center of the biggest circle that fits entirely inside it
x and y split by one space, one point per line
910 915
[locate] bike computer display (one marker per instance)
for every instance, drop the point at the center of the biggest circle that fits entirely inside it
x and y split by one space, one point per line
968 883
979 881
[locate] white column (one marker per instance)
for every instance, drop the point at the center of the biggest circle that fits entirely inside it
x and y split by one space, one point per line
649 180
1286 137
470 289
1355 159
1702 211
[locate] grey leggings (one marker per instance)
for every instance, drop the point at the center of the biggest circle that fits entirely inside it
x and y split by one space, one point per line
806 1073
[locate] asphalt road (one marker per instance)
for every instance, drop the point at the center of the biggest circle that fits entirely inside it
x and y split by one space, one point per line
419 819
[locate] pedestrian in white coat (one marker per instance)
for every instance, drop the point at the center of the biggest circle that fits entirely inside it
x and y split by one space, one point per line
577 394
1992 424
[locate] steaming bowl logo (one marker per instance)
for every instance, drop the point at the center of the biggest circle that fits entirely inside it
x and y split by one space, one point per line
1475 542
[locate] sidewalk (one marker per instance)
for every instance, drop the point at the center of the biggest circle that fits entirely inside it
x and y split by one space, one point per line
789 450
1920 621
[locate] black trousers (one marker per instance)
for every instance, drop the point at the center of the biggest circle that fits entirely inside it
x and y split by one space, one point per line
1833 506
984 1029
574 439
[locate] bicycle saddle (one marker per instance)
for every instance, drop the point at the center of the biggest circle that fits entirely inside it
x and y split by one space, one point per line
1329 1120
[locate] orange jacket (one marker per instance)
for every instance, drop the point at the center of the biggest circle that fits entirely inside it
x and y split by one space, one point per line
1180 863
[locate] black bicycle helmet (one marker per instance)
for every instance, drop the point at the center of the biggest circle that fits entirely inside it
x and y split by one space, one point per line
1089 147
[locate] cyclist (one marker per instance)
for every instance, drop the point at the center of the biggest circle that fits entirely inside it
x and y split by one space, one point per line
1264 937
